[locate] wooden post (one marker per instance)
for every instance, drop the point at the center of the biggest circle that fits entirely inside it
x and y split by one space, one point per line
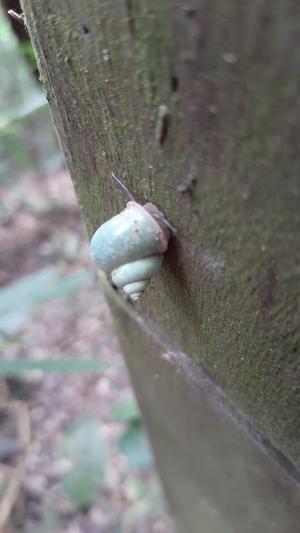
195 105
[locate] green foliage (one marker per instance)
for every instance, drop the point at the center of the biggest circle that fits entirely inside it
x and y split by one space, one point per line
27 139
27 50
133 443
84 447
126 410
18 114
10 143
55 366
21 298
135 446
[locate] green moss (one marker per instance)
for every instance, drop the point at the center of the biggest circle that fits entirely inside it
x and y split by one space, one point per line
152 42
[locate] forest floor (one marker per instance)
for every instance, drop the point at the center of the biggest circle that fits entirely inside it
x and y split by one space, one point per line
42 236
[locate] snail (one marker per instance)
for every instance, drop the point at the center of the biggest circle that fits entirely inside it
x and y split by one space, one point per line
130 246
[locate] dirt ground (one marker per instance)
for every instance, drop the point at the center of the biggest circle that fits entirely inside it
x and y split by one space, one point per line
41 226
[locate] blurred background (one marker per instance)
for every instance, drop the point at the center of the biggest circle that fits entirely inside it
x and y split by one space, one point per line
73 453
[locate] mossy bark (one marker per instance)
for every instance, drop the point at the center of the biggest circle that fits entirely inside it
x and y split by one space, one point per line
223 165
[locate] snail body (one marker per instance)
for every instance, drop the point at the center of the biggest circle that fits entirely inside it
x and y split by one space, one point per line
130 246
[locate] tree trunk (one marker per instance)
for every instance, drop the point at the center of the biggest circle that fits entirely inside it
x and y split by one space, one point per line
223 166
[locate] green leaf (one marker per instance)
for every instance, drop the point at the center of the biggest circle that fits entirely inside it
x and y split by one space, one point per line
36 103
11 143
19 299
135 446
56 366
27 49
84 447
126 410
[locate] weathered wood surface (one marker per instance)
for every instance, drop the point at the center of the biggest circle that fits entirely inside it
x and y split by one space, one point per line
225 171
220 474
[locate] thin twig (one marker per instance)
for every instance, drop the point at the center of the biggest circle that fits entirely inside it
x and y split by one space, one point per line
17 16
11 494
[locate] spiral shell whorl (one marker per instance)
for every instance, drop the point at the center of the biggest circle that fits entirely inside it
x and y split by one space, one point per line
134 277
130 246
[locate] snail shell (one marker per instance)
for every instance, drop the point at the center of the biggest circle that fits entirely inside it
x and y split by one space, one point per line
130 246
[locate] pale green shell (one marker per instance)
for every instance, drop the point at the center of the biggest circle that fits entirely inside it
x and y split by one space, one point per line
130 246
136 289
136 270
130 235
134 277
